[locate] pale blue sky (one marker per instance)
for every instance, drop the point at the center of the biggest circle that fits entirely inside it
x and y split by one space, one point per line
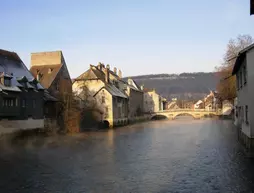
137 36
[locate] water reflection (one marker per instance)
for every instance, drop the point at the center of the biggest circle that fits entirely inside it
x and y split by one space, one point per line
183 155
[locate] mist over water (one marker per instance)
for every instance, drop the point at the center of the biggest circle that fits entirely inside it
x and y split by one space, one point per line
183 155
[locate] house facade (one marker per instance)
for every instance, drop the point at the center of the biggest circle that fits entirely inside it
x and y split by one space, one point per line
153 102
244 71
50 69
108 91
136 99
21 95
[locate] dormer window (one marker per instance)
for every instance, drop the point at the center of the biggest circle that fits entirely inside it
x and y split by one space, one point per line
7 82
50 70
115 82
5 79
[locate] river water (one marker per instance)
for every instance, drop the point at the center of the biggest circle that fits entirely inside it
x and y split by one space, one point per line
182 155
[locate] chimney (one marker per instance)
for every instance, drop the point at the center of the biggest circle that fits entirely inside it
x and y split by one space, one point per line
108 67
99 65
120 73
142 87
107 75
115 70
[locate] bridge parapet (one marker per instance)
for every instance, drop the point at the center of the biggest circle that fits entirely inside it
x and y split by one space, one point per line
195 113
188 110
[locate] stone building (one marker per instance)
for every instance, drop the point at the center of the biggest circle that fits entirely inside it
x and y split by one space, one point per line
107 89
153 102
50 69
243 69
21 95
136 99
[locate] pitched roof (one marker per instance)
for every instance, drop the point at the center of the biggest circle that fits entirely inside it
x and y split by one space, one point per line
48 97
93 73
112 90
240 58
10 55
48 73
15 68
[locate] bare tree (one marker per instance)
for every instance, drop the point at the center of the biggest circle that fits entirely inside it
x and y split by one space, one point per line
227 84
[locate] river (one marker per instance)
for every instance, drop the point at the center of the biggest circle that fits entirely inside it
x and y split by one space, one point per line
182 155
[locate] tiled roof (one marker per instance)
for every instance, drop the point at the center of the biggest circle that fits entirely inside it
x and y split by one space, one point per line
91 74
112 90
95 74
10 55
136 84
14 68
10 88
48 73
240 58
48 97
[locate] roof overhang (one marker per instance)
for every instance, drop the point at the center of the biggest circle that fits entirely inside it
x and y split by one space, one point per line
251 7
239 60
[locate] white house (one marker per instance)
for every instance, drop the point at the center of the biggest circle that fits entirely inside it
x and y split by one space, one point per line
198 104
244 71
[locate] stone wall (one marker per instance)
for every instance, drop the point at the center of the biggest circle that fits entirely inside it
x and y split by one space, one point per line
136 101
9 126
45 58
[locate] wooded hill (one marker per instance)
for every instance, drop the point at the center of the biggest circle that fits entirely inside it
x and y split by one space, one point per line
183 86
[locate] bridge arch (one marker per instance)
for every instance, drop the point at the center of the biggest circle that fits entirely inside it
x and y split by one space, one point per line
196 114
158 117
185 113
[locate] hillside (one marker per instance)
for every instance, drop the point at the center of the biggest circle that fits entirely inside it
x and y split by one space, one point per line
184 86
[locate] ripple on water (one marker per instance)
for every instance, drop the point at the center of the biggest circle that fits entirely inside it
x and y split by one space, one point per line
159 156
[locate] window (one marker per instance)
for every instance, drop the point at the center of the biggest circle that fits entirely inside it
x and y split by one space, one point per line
106 112
103 99
244 74
10 102
7 82
246 115
23 103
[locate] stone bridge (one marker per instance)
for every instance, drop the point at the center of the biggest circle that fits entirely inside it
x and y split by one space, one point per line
195 113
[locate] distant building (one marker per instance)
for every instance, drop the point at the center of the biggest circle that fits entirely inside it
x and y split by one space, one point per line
199 104
21 95
153 102
130 88
105 87
172 105
50 69
243 69
136 99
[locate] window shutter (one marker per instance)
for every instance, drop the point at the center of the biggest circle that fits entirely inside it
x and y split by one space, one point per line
251 7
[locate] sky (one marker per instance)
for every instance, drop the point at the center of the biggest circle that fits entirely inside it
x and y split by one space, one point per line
136 36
